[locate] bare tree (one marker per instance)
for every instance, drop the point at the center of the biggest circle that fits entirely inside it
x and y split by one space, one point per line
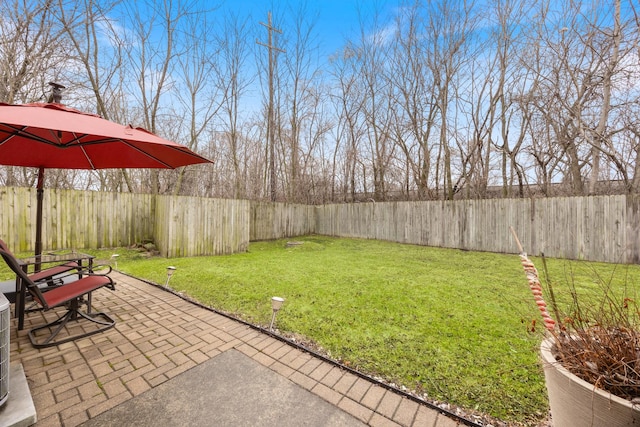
96 79
197 88
577 67
494 82
448 27
233 80
32 50
151 52
349 101
377 98
32 53
300 94
415 109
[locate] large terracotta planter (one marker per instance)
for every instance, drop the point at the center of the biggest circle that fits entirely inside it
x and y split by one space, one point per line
574 402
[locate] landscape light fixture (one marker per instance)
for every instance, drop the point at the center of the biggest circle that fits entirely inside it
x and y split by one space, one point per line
170 270
114 257
276 303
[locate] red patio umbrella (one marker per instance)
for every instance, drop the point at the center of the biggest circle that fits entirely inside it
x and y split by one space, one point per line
55 136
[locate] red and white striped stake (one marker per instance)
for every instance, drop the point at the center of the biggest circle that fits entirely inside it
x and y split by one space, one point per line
534 284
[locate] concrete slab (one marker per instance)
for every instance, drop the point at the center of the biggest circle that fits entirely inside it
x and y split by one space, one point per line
18 411
230 389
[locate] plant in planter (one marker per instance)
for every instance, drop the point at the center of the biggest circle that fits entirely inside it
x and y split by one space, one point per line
590 355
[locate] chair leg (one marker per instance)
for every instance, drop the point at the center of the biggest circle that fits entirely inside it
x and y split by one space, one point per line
99 318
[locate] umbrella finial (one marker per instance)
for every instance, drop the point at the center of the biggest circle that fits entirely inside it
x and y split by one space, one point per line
56 93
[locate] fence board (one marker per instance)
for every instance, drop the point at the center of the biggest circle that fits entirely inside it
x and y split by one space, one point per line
632 232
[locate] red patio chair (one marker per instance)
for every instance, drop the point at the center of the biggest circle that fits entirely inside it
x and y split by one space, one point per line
70 295
47 275
46 279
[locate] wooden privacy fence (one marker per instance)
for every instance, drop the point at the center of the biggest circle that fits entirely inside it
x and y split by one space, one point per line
74 219
271 221
190 226
179 226
599 228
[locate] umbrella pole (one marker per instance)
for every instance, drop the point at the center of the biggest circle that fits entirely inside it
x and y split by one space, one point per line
39 197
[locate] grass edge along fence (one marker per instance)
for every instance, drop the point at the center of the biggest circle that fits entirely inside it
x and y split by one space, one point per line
595 228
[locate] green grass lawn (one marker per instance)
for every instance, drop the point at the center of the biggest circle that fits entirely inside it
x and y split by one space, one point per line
447 323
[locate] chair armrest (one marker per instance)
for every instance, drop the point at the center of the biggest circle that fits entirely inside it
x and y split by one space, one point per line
99 270
96 270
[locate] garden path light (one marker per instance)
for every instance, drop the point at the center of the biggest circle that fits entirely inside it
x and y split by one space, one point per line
114 257
170 270
276 304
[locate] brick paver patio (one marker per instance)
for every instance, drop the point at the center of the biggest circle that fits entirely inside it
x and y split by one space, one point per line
158 336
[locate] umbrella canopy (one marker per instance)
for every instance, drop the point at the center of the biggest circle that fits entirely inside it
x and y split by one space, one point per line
55 136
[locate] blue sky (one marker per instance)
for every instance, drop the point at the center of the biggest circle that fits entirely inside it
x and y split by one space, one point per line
337 21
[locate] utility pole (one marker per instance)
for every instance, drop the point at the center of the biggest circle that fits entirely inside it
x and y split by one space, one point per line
270 119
